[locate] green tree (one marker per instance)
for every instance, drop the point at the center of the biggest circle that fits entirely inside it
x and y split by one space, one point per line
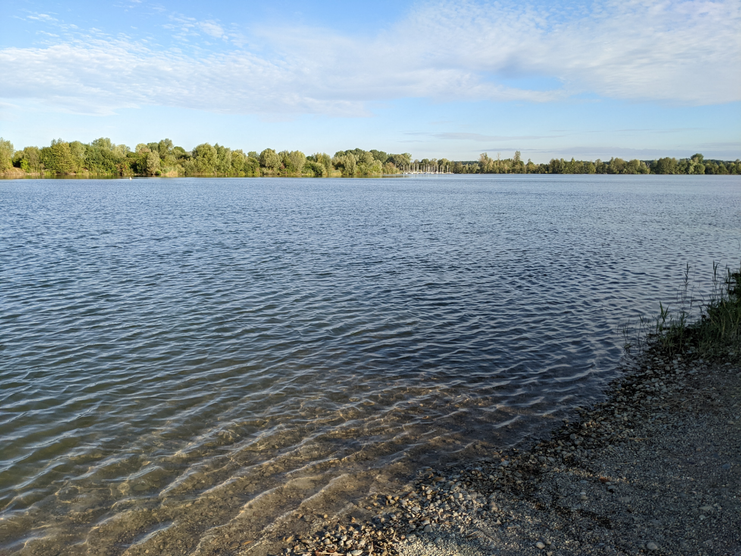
696 165
616 166
665 166
270 160
296 162
57 158
556 166
164 148
6 154
325 160
102 160
103 143
252 166
77 150
238 158
315 169
153 164
223 160
29 159
486 164
380 156
345 162
205 157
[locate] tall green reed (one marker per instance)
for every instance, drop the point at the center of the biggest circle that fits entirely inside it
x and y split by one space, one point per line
705 328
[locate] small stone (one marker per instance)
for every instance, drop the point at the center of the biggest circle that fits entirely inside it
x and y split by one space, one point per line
355 552
652 546
540 545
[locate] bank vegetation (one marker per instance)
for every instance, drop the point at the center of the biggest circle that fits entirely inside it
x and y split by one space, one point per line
103 158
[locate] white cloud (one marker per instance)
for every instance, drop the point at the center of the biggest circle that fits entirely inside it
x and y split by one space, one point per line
211 28
662 50
42 17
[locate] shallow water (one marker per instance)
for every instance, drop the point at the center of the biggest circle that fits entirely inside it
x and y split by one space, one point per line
193 362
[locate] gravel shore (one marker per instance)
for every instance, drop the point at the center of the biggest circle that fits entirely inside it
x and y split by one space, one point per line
655 469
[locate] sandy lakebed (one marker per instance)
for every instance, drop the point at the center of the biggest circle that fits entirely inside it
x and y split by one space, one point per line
654 469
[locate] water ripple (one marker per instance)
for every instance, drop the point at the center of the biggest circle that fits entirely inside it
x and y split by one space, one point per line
187 361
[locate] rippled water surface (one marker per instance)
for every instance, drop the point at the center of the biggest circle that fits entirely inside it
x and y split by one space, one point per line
189 365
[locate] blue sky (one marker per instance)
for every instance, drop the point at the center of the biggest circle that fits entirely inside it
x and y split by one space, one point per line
635 79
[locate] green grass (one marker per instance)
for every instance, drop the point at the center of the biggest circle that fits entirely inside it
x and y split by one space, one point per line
715 333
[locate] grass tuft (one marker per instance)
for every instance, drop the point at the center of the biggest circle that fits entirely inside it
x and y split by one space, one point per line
715 333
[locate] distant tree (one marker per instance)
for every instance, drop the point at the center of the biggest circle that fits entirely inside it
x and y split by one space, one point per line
205 156
380 156
296 162
153 164
315 169
665 166
6 154
633 167
721 168
252 166
616 166
223 160
102 143
164 148
556 166
270 160
696 165
77 150
102 160
57 158
29 159
486 164
401 161
238 158
345 162
325 160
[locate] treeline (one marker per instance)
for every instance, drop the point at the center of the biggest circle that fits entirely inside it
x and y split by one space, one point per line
696 164
104 158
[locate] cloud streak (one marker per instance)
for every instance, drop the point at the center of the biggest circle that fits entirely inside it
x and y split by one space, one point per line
686 52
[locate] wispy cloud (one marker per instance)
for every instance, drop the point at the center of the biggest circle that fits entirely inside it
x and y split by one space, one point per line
457 136
184 27
212 28
676 51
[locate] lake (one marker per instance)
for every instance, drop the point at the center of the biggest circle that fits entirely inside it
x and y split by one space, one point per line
190 362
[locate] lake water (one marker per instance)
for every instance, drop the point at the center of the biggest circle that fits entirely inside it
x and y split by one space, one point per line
192 364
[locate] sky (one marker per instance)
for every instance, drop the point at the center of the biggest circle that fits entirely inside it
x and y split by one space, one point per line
454 79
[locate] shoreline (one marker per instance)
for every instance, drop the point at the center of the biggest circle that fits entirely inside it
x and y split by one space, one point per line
653 469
